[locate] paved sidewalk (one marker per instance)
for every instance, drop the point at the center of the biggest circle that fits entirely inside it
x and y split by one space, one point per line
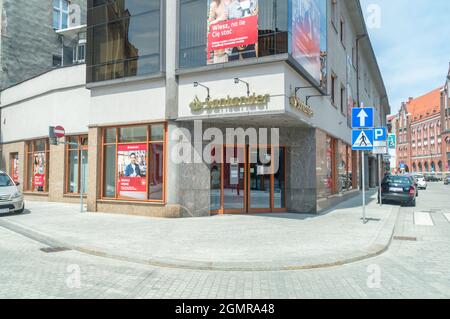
231 242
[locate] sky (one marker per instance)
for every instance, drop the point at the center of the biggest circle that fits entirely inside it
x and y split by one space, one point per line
411 40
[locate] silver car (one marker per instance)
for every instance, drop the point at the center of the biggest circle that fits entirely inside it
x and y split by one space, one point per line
11 199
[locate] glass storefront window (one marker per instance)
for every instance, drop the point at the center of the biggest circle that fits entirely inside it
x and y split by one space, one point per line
325 163
157 133
77 165
196 16
109 171
125 38
37 166
110 135
134 167
133 134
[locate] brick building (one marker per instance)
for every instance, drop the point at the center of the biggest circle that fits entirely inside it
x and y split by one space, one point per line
445 120
422 141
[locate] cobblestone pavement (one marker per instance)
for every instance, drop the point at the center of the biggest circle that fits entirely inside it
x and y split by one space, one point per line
411 268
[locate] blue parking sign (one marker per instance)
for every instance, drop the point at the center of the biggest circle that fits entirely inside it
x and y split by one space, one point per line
380 134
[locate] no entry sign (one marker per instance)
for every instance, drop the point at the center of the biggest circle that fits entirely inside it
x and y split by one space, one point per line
59 131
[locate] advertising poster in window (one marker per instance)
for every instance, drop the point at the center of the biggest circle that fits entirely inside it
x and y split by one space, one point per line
39 171
15 168
232 30
132 166
308 37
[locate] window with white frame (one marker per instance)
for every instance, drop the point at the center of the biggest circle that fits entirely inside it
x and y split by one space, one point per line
60 14
79 52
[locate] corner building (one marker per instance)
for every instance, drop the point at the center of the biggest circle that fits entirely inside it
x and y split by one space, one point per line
158 74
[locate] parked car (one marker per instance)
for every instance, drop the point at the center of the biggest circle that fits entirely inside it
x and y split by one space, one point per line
421 182
11 199
447 180
400 189
416 182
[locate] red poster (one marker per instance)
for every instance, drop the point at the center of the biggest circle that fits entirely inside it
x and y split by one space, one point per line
233 33
39 180
132 166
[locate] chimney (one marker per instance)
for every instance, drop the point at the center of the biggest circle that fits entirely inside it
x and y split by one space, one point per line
410 99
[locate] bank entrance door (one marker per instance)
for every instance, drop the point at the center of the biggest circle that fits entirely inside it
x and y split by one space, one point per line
248 180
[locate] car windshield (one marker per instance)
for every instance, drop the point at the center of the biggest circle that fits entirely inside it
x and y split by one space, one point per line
418 176
5 181
397 180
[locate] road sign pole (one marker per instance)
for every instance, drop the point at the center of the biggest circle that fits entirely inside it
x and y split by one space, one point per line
81 179
380 177
363 162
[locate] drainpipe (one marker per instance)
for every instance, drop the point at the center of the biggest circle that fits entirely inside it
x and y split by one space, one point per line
358 38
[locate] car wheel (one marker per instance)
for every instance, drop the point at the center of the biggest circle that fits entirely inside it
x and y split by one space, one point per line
20 211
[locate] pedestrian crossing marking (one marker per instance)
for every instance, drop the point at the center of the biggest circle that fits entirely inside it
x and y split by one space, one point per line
447 215
362 140
423 219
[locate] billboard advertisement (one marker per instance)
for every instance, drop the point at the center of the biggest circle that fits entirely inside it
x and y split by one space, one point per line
132 170
309 36
232 30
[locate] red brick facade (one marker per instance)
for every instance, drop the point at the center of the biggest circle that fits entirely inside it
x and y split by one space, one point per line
423 132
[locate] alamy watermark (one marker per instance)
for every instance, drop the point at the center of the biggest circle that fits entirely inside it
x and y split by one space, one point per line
206 146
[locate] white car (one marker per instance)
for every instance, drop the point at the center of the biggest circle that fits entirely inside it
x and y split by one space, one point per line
11 199
421 182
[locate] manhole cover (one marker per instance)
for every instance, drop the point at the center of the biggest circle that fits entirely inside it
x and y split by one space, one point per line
405 238
54 249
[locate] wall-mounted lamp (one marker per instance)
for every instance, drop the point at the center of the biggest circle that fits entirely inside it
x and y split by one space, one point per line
237 80
197 84
302 87
312 96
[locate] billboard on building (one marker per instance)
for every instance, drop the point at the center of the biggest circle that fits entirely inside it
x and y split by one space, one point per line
132 170
309 36
232 30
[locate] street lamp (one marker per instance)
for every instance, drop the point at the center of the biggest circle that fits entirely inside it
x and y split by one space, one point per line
197 84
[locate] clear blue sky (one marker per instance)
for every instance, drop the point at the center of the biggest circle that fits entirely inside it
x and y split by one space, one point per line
412 45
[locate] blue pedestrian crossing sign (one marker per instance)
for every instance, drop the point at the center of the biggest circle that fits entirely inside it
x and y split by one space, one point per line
363 117
380 134
362 140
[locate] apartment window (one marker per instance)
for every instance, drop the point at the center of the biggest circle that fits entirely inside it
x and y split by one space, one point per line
124 39
76 164
342 30
134 163
60 14
79 53
333 89
57 60
334 12
342 101
197 15
37 166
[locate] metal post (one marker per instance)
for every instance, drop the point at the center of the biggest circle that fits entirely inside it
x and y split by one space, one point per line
82 190
363 163
380 177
